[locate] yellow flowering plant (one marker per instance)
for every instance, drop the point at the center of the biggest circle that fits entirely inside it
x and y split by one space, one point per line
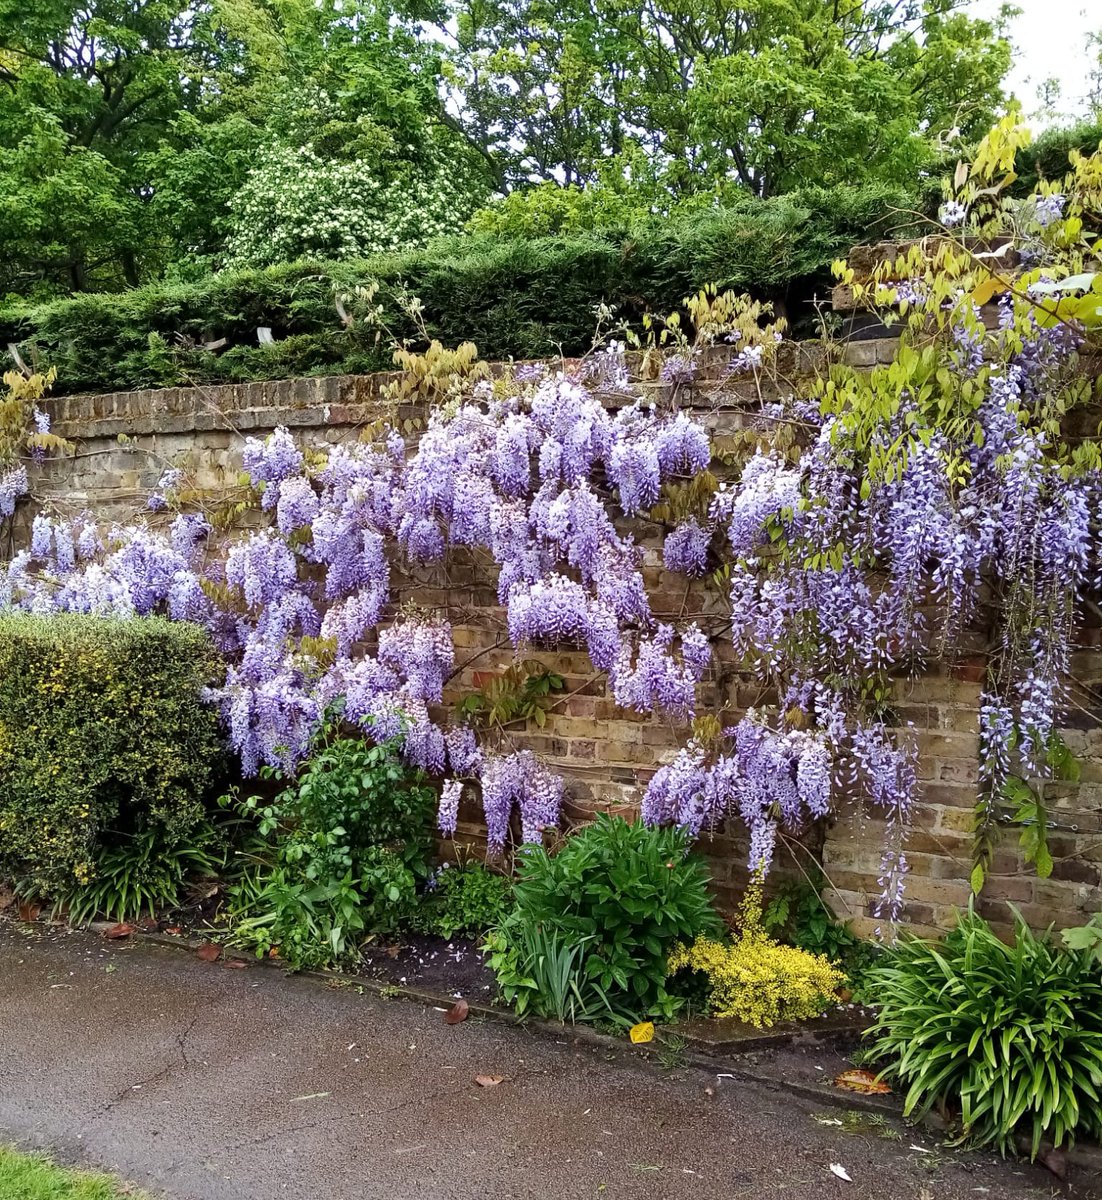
756 979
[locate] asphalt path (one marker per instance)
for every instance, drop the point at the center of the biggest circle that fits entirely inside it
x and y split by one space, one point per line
201 1082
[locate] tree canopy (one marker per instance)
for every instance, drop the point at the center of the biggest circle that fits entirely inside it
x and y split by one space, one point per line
140 138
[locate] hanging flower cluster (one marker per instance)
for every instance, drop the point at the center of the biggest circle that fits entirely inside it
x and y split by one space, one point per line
525 478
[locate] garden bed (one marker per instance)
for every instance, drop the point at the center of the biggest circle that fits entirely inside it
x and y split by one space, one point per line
450 969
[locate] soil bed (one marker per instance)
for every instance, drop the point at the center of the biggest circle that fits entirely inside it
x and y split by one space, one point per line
454 968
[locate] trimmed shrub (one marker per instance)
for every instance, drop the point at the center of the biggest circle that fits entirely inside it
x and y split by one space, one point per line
515 297
103 735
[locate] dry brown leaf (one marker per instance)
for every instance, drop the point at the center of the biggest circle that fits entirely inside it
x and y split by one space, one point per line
28 910
488 1080
122 930
863 1082
209 952
235 964
393 951
458 1012
174 930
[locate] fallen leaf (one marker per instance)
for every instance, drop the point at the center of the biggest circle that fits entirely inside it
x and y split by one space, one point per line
121 930
235 964
393 951
840 1171
28 910
643 1032
488 1080
273 952
863 1082
458 1012
311 1096
209 952
844 995
174 930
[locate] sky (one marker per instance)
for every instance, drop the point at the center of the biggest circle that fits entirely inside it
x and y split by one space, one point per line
1050 37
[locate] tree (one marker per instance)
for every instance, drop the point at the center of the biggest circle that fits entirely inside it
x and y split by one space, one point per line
84 89
773 94
128 127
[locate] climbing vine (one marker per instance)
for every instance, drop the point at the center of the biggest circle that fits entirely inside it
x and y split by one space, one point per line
855 530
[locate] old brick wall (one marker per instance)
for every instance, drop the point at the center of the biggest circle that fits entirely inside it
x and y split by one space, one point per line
607 754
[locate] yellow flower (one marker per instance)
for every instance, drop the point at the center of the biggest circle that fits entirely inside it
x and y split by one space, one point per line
758 980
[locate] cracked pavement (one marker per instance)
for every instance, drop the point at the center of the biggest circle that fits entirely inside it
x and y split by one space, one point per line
203 1083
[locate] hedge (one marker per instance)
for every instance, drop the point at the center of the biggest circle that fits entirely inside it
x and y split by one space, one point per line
102 733
515 297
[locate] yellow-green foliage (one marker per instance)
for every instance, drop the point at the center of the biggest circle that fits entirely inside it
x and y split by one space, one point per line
758 980
102 732
18 399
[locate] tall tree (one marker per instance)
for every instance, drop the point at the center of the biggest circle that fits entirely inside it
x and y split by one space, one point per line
128 127
773 94
84 89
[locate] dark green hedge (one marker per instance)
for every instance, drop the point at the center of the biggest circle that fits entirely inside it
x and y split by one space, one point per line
1047 156
520 298
102 733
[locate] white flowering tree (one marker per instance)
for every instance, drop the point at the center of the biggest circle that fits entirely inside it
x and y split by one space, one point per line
297 203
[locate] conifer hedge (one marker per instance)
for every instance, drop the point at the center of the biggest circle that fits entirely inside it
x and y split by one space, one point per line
514 297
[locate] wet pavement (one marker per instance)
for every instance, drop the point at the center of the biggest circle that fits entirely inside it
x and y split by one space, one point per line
205 1083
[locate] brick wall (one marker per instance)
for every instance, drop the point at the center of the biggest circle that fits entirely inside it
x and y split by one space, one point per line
606 753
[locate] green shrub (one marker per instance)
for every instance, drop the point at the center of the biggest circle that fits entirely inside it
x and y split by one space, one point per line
1007 1036
346 845
1047 156
144 874
103 737
521 296
467 901
542 970
628 893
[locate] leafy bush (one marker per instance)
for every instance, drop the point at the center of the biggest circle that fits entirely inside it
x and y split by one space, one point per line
143 875
628 894
348 842
468 901
104 740
758 980
1009 1036
522 296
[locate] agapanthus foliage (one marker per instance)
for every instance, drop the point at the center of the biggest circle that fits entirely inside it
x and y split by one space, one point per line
859 535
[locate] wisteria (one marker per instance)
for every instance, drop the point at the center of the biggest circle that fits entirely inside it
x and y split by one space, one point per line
521 782
13 484
823 578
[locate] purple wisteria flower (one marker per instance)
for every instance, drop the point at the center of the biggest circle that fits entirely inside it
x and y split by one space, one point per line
13 484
